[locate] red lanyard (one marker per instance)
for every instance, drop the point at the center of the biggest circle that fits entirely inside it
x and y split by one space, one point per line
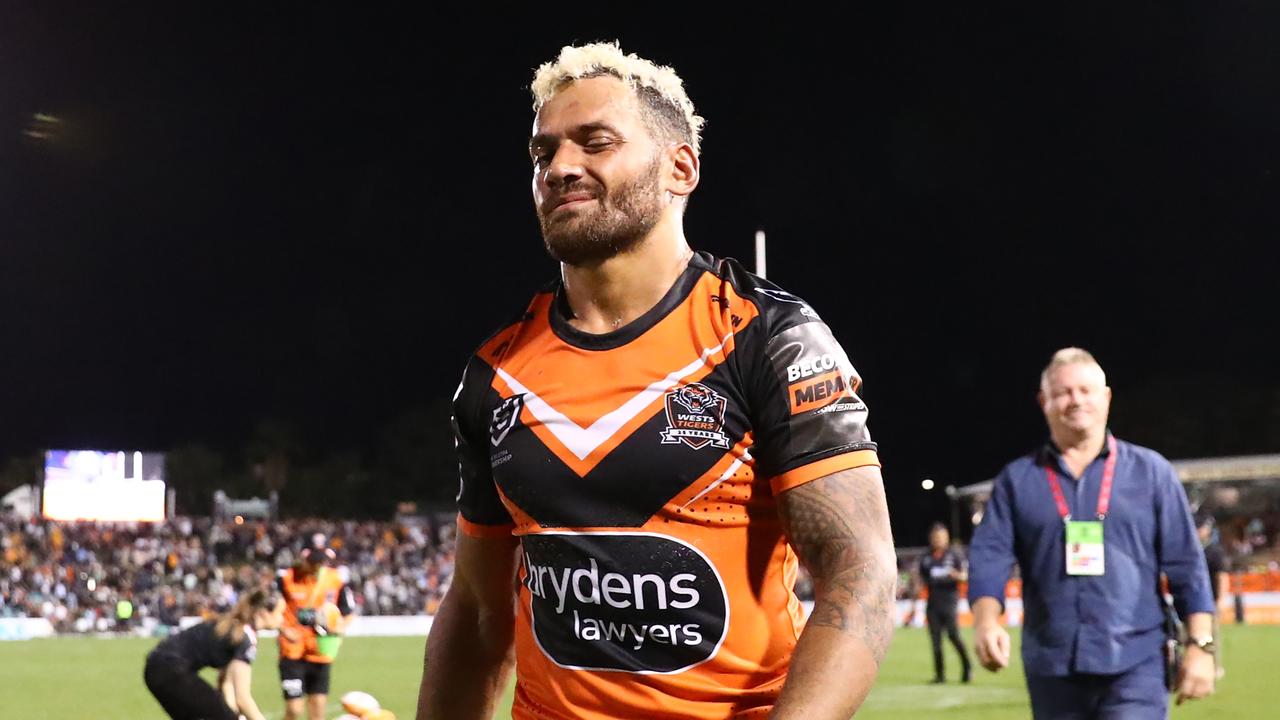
1104 493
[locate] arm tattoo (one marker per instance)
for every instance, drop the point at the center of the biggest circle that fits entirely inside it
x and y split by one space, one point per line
839 526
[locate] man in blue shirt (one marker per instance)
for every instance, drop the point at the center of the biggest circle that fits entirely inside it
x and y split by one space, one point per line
1092 522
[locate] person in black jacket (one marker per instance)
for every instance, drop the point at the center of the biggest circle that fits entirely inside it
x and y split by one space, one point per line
1219 565
228 643
942 569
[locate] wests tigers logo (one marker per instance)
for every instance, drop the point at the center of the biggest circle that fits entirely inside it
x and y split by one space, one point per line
695 417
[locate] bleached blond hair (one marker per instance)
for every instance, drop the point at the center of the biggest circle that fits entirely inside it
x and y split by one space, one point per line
666 107
1069 356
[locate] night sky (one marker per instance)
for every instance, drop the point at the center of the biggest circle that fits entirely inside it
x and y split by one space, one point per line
314 215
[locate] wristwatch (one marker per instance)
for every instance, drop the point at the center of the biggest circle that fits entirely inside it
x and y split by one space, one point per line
1205 643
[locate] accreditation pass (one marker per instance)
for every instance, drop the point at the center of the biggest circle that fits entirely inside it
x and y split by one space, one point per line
1085 554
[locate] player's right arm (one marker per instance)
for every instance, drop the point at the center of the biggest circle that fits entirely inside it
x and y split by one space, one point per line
916 585
991 558
470 650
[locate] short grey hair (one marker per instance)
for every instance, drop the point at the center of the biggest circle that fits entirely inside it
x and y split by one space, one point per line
1070 356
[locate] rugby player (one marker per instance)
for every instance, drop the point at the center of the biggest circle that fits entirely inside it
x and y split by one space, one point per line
649 448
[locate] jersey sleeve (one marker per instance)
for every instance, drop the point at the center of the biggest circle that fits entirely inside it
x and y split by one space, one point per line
480 509
247 649
809 421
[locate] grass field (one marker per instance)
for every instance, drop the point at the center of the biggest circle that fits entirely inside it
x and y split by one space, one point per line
74 678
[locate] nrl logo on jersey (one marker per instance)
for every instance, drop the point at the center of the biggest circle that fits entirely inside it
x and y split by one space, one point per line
505 417
695 417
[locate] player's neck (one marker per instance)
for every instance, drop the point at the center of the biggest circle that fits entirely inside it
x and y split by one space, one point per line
608 295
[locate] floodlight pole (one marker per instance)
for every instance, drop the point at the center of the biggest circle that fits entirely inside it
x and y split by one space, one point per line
761 270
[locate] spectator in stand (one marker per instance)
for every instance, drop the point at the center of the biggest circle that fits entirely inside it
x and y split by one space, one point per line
74 573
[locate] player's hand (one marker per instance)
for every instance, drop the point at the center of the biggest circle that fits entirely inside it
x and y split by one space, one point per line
992 645
1198 672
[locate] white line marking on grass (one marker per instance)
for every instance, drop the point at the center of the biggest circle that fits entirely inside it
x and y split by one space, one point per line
931 697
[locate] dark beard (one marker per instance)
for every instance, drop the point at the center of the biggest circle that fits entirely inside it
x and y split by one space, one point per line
616 225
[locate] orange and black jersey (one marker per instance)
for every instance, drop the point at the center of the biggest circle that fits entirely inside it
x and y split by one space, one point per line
640 470
304 596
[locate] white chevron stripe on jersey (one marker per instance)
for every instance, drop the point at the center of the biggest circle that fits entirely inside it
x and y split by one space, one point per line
582 441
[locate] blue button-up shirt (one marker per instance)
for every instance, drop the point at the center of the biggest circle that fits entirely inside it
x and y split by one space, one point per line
1090 624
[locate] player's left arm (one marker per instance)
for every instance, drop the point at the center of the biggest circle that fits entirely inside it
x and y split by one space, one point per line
839 526
1182 561
241 675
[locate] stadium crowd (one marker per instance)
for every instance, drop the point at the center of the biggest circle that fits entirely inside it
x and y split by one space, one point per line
78 574
111 576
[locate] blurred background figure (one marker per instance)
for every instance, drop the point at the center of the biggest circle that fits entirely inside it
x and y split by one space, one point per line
1219 566
941 570
318 604
228 643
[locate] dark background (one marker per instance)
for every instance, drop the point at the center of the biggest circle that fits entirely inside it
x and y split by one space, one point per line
266 237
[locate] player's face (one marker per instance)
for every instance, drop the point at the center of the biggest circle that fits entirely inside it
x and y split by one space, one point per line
939 539
1075 398
596 172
